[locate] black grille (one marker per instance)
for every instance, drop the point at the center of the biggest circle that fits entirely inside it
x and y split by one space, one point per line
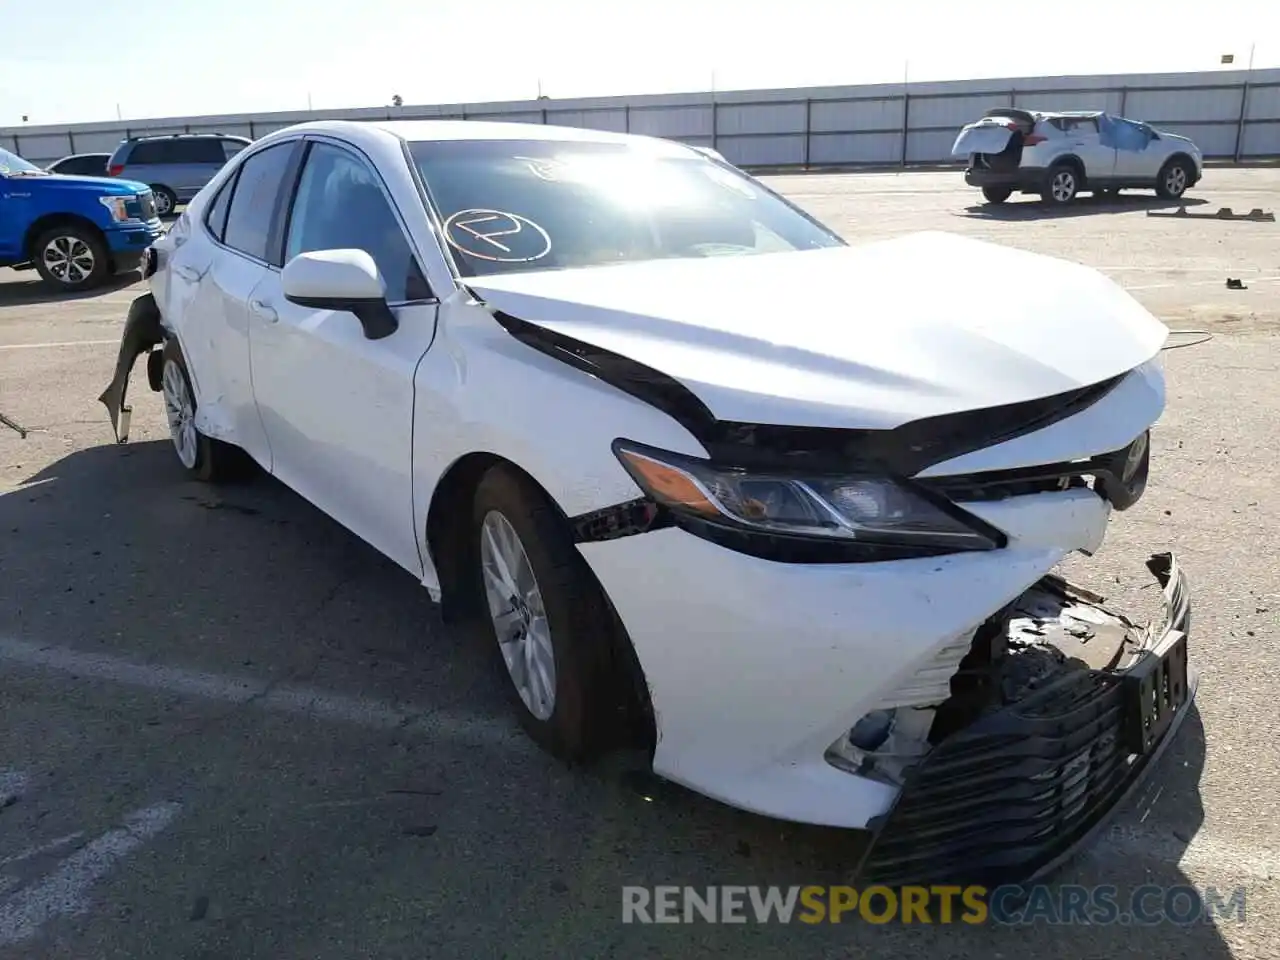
148 203
1012 795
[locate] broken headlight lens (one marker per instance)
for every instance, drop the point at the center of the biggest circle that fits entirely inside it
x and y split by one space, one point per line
838 517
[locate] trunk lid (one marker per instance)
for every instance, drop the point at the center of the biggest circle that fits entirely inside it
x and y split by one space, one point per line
873 336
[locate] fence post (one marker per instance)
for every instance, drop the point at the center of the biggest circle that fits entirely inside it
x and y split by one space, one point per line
626 118
1244 112
252 134
715 122
906 126
544 116
71 140
17 145
808 130
1124 98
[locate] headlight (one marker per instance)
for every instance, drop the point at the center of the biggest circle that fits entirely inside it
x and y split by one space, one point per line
818 519
122 208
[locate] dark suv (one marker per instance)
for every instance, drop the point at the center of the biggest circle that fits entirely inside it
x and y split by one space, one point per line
176 167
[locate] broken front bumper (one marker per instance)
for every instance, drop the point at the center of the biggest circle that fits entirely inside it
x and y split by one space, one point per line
1010 797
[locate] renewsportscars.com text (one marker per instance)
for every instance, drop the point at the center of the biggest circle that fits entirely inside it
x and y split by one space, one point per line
1013 905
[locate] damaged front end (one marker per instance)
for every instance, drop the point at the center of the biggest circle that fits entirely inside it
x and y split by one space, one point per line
143 331
1057 709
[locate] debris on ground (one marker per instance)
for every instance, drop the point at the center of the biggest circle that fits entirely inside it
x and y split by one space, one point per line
1257 214
1234 283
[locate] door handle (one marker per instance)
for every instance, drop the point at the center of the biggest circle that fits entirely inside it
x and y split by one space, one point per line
265 310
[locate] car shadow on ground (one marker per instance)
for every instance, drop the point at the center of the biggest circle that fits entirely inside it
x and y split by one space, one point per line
1086 205
111 549
31 290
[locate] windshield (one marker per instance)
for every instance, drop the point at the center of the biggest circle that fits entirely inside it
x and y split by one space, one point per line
511 205
11 163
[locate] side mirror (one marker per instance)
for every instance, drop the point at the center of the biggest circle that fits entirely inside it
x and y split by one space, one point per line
346 280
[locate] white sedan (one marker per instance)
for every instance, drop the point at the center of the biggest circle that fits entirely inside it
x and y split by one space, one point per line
784 509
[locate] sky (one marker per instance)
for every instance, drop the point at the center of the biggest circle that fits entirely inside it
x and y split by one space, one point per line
134 59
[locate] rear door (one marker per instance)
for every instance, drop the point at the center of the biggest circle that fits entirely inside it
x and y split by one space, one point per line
1083 140
198 159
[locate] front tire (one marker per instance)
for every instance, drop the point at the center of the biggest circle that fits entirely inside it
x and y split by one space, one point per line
997 194
548 616
1173 180
1061 185
71 258
204 458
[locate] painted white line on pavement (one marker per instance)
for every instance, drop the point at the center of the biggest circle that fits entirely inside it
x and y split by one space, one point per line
1205 853
13 783
57 343
32 852
284 698
63 892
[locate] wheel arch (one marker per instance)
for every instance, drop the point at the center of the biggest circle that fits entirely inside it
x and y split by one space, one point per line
451 552
51 220
1181 156
1073 161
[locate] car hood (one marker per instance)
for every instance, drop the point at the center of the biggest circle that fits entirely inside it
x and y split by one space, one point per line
872 336
102 186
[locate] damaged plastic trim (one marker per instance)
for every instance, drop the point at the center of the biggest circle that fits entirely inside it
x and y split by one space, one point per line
904 450
142 332
620 520
1119 477
1013 795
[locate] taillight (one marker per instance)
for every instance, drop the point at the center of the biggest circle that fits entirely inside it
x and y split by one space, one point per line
1031 139
115 169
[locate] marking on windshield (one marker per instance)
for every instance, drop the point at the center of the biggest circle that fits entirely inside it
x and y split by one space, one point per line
497 236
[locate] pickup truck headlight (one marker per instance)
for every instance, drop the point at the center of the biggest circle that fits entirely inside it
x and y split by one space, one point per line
817 519
122 209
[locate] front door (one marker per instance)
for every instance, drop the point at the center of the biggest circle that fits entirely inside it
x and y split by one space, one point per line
338 407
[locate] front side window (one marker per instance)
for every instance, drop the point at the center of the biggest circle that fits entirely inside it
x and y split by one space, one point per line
340 206
512 205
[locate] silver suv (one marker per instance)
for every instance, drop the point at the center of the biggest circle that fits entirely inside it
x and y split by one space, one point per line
176 167
1058 155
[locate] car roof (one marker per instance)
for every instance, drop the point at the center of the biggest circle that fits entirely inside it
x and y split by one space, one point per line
188 136
413 131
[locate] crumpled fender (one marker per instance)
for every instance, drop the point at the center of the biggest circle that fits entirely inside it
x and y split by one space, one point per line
142 331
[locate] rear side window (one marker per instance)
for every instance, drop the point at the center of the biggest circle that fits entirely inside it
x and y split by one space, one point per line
231 147
216 218
253 204
178 150
1080 125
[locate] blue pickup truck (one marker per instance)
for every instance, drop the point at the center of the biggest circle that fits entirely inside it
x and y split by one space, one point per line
76 232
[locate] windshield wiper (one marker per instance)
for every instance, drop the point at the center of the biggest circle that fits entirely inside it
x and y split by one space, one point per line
29 173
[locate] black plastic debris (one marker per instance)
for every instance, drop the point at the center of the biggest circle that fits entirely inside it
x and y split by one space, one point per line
1257 214
1234 283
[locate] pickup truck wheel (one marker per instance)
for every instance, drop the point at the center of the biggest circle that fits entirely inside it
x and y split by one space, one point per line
1061 184
997 194
71 257
1173 180
166 200
547 616
204 458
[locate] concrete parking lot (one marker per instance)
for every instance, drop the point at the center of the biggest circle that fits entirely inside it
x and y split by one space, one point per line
229 729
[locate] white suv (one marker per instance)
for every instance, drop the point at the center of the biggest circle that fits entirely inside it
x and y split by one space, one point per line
1057 155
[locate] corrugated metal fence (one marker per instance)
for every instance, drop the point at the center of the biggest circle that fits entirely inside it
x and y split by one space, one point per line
1230 114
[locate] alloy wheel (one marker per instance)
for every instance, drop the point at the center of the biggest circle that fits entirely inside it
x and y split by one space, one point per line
179 410
69 259
518 615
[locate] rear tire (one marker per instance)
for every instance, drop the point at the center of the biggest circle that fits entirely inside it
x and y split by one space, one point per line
536 592
71 258
204 458
1174 179
997 194
166 200
1061 185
